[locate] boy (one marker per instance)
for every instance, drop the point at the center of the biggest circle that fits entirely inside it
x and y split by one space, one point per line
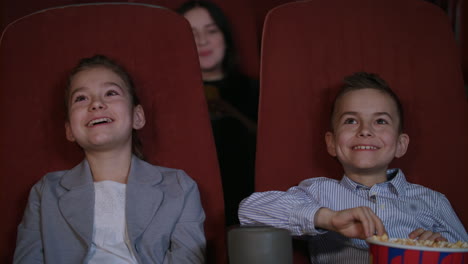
366 135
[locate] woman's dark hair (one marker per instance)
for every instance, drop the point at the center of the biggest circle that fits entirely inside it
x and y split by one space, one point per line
103 61
364 80
229 64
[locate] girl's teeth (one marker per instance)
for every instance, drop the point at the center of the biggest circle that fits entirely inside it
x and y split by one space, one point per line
100 120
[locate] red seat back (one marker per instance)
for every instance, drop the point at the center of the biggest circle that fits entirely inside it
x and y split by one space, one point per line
239 12
157 48
309 46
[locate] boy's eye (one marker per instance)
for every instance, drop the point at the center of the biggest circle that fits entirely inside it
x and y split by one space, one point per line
350 121
381 121
79 98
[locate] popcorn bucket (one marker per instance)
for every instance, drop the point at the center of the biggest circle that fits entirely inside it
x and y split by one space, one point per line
393 253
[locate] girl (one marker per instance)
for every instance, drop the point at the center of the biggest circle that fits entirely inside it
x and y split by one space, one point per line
113 207
232 99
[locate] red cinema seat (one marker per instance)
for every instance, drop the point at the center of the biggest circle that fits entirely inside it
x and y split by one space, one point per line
240 14
157 48
309 46
461 31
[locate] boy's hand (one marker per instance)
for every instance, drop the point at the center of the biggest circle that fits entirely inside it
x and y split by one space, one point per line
421 234
359 222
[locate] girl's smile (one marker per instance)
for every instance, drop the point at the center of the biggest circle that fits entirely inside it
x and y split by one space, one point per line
100 121
101 115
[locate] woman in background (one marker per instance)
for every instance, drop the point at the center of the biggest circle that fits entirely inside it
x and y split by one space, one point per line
232 99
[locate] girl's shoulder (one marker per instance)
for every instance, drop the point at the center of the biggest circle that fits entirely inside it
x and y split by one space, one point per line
53 177
168 176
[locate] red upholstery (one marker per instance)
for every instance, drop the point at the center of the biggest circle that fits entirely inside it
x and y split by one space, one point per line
239 12
308 47
461 28
262 7
157 47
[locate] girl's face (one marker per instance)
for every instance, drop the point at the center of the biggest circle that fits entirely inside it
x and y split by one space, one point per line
209 39
101 115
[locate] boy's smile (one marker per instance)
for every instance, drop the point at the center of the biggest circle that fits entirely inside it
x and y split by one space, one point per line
366 137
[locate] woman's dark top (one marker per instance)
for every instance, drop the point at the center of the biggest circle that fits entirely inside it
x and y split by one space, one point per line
235 144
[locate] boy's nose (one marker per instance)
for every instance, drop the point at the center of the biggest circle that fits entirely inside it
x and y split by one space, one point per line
365 131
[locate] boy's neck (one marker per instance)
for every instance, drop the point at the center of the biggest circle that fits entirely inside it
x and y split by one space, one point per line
367 178
112 166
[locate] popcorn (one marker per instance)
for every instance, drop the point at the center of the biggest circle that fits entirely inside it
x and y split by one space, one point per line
421 243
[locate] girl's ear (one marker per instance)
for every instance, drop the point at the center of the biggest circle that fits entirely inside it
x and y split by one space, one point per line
330 140
402 145
139 120
68 132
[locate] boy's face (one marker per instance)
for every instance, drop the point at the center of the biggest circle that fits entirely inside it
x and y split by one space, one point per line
365 137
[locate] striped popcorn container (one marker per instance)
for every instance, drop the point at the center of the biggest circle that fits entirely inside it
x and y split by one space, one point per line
392 253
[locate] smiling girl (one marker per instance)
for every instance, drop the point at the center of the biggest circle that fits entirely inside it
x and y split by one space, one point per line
113 207
232 99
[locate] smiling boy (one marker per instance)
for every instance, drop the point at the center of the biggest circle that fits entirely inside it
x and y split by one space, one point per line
366 135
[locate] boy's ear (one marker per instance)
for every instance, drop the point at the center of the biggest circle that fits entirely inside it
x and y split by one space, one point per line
402 145
330 140
68 132
139 120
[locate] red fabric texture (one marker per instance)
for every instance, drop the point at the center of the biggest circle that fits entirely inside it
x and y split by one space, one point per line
309 46
239 12
156 46
461 28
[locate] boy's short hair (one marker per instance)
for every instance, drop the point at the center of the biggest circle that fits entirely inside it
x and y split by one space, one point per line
365 80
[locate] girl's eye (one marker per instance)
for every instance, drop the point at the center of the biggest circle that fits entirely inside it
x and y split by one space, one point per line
381 121
79 98
213 31
112 93
350 121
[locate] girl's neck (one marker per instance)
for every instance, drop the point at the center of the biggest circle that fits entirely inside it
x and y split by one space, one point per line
112 166
213 75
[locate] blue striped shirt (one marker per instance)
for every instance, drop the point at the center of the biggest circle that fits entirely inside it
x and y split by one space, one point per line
402 207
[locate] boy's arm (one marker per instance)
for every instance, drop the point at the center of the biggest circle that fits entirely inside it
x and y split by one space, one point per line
28 242
299 210
359 222
449 225
293 210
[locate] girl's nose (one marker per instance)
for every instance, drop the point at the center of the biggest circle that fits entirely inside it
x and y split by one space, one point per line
96 105
201 39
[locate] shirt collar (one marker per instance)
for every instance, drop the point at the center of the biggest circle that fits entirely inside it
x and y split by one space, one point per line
395 178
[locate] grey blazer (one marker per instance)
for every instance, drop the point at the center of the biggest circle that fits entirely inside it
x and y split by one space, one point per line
163 213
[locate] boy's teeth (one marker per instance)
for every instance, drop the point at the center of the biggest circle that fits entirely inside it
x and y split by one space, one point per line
99 120
364 147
